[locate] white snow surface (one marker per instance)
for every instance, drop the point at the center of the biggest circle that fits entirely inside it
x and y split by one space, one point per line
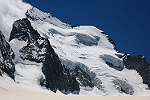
42 17
68 46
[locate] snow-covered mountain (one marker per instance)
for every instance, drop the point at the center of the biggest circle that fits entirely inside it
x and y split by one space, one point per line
41 52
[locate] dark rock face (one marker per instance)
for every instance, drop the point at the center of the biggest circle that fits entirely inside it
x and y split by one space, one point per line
83 78
6 57
112 42
82 73
39 50
57 76
140 65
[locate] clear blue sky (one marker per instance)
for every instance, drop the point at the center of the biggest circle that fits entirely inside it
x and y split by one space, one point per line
127 22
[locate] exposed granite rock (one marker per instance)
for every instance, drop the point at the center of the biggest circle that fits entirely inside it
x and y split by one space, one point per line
85 77
140 65
6 57
111 41
39 50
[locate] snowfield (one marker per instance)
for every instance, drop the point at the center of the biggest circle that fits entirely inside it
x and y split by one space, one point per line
85 46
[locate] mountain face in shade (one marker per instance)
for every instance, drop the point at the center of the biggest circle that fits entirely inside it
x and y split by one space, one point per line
139 64
43 53
39 50
6 57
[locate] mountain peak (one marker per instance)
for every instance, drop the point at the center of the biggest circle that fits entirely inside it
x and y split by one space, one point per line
46 53
40 17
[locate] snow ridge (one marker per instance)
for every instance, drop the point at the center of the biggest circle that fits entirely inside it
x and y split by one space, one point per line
82 59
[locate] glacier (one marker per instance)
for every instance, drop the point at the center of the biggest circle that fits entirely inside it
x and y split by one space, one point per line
53 55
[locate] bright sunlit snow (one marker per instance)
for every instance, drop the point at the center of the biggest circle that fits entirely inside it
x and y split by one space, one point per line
82 44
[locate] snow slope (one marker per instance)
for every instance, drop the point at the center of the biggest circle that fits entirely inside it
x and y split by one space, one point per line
87 45
83 44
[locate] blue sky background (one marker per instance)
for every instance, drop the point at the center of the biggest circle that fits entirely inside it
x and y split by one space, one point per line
127 22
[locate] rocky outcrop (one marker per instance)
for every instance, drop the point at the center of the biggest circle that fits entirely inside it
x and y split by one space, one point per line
140 65
6 57
81 72
84 76
112 42
65 76
38 49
